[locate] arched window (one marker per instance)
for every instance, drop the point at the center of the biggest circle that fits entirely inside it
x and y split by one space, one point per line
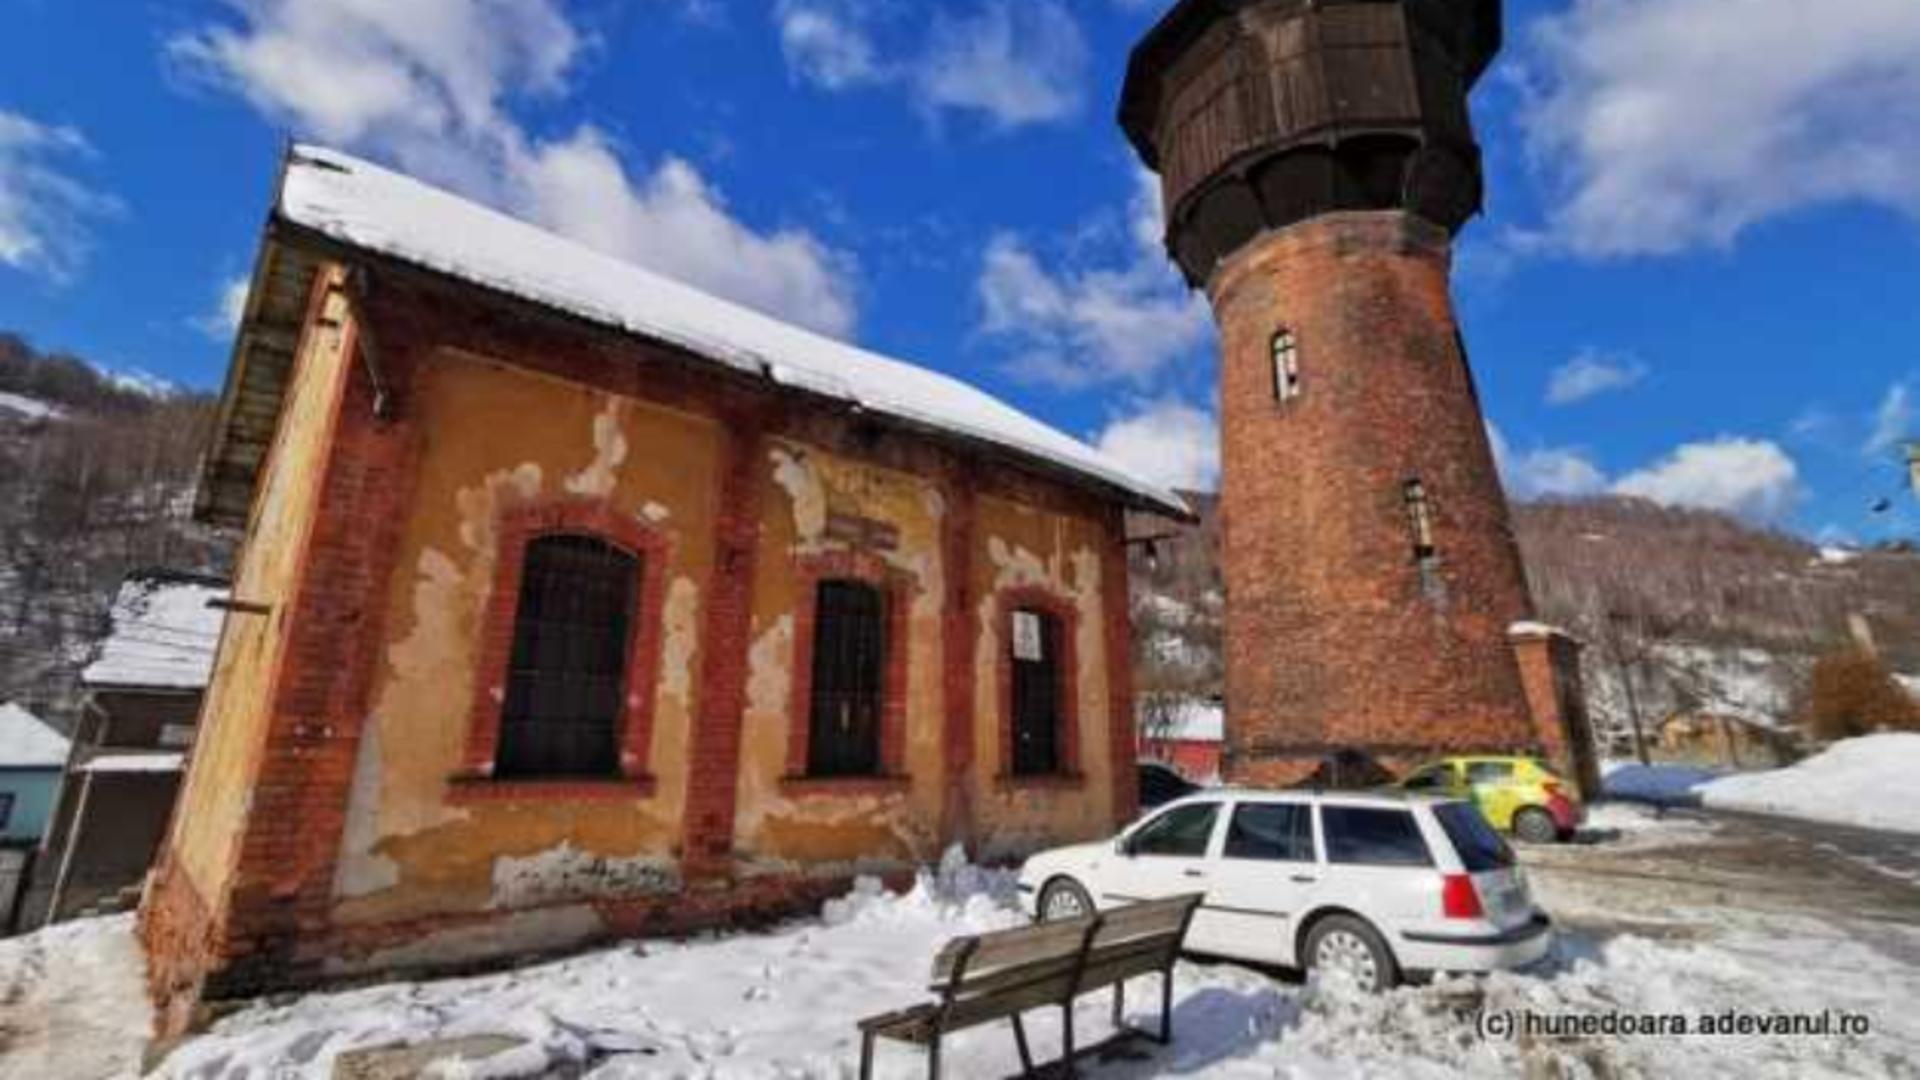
849 680
1037 693
1286 366
566 680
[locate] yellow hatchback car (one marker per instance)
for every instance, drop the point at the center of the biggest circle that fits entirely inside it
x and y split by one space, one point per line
1519 795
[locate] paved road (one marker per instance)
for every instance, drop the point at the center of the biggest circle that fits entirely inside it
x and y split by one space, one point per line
1893 854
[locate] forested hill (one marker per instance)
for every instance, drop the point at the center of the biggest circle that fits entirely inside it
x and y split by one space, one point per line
96 478
1688 608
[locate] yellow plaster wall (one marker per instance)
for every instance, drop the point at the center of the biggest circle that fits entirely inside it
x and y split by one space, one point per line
233 721
1017 545
774 829
495 437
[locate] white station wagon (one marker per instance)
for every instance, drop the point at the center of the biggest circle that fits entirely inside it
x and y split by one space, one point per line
1376 885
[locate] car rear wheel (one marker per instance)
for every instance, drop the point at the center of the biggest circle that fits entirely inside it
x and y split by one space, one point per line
1343 946
1064 899
1535 826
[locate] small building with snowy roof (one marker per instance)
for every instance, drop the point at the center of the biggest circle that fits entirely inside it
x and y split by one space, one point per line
33 754
576 602
143 691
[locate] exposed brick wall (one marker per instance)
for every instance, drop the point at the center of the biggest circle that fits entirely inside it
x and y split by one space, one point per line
958 646
713 784
1550 670
1122 724
1336 636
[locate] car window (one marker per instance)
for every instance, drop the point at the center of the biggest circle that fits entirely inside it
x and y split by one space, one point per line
1278 831
1479 847
1434 776
1489 772
1182 831
1373 836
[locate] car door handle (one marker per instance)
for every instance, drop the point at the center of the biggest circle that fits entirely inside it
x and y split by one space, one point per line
1303 879
1194 873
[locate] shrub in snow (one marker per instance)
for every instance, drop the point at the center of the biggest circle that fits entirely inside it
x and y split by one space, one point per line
1854 694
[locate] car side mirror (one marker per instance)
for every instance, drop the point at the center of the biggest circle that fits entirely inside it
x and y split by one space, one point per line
1122 847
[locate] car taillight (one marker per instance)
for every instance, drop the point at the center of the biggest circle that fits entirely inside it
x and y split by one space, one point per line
1459 899
1553 788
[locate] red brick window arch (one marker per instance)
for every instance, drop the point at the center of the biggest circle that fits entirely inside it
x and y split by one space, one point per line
1039 687
848 710
570 652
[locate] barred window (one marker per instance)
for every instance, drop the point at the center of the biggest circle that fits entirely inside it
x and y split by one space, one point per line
849 672
566 681
1037 696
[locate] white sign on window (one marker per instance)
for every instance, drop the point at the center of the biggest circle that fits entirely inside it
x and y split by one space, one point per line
1028 641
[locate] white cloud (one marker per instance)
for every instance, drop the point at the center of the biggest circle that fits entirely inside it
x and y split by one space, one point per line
1076 325
1547 471
674 220
1169 442
1017 63
1892 421
1666 125
229 308
1014 64
825 43
44 211
427 85
1753 478
1590 374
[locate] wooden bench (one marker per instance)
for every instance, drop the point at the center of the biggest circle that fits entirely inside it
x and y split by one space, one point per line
999 976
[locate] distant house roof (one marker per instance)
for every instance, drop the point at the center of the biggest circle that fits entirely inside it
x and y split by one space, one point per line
330 199
164 635
28 742
1195 721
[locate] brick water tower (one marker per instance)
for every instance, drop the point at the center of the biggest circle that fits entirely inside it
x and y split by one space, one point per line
1316 159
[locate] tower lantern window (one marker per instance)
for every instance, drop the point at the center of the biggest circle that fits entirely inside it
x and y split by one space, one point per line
1419 519
1286 366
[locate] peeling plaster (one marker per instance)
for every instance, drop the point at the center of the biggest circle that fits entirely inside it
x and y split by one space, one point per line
362 870
505 935
770 669
797 476
682 641
567 873
610 452
655 514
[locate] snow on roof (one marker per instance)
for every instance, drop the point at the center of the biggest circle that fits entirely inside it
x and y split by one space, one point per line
364 206
28 742
1194 721
164 635
134 763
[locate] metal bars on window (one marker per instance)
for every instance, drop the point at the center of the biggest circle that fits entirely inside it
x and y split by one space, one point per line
566 681
849 678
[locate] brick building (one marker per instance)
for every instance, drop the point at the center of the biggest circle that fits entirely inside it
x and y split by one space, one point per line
575 602
1316 159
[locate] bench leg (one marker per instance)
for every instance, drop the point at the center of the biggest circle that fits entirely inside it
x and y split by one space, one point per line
866 1056
1120 1005
1166 1007
1066 1035
933 1059
1020 1042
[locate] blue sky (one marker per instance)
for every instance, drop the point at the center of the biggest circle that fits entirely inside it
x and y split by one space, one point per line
1698 280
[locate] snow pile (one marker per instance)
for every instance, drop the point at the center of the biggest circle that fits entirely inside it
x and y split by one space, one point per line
1664 785
367 207
164 635
28 742
31 408
1873 782
73 1001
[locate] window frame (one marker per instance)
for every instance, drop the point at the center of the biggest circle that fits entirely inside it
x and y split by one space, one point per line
1328 853
897 590
1287 385
1067 724
1207 849
7 799
515 530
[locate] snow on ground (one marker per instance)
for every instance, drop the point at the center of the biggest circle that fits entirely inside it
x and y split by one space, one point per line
784 1004
31 408
1872 782
73 1001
